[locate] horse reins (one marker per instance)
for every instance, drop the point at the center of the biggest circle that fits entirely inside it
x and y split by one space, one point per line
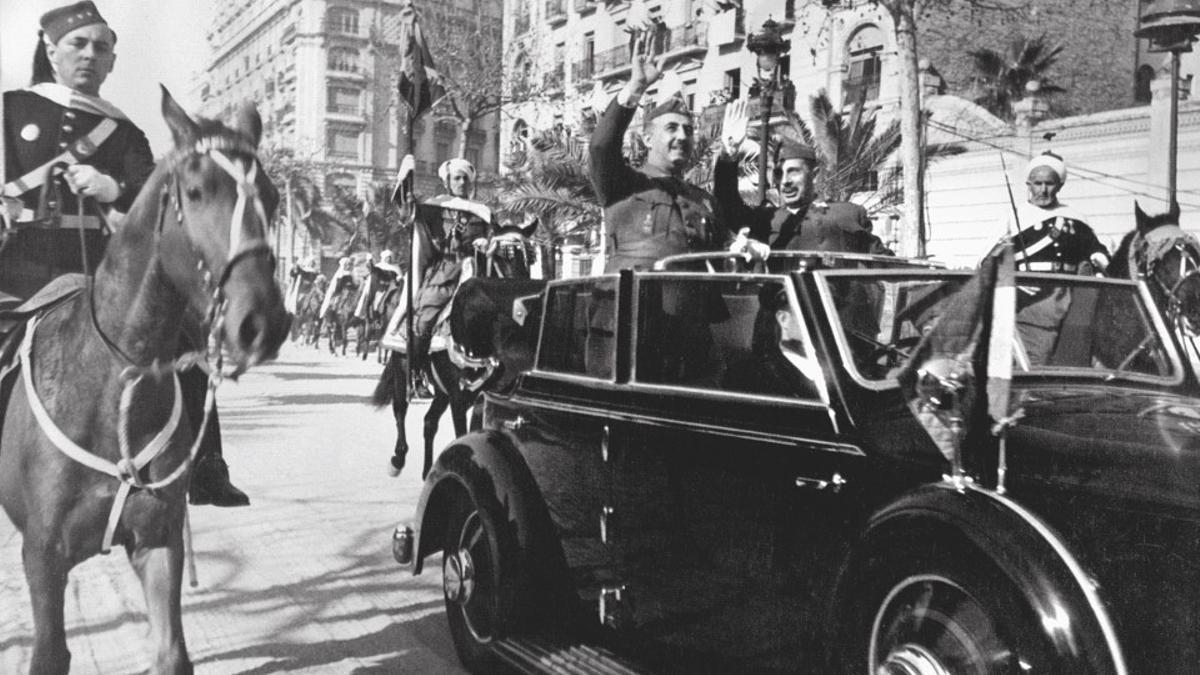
127 470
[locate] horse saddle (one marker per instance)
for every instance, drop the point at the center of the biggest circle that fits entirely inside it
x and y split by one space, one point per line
14 316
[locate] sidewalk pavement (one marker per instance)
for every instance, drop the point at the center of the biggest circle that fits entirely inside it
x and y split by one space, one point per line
302 581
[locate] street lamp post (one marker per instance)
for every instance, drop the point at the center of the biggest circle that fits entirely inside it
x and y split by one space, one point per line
768 46
1171 26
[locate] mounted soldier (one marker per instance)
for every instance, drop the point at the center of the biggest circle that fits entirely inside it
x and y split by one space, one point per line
73 163
450 228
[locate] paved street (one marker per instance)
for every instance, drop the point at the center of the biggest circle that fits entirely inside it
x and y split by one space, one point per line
303 580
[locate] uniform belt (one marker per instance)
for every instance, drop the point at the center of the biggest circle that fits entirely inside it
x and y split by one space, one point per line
82 148
65 222
1050 266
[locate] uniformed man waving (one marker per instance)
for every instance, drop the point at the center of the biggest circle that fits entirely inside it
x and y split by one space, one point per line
650 212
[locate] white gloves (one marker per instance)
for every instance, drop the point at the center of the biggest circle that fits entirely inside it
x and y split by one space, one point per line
85 180
753 249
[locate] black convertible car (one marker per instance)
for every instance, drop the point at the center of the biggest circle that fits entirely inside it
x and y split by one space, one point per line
718 472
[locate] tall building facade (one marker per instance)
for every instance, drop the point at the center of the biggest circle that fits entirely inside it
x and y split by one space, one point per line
323 74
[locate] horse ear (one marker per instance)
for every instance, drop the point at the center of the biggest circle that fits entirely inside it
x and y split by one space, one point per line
1173 212
184 131
248 123
528 229
1140 216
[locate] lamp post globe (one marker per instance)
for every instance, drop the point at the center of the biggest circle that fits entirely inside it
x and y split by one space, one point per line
768 46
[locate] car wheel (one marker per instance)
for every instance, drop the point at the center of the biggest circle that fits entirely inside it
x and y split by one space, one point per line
940 613
473 584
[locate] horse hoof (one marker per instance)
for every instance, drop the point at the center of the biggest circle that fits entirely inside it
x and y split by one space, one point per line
393 469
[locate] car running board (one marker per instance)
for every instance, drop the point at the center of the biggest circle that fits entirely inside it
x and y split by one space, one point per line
537 656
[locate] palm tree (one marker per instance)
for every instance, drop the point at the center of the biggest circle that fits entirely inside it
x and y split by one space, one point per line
1002 77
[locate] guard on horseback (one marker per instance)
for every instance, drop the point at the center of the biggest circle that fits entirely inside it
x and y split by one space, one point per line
302 277
450 228
73 164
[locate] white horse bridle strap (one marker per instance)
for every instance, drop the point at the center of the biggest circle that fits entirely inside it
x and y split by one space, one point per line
246 190
124 473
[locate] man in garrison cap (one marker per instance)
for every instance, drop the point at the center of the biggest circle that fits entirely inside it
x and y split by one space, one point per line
99 158
650 212
71 160
801 222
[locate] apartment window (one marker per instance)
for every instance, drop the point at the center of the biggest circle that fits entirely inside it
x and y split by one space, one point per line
342 20
473 155
343 143
442 150
344 59
864 54
733 83
342 100
589 54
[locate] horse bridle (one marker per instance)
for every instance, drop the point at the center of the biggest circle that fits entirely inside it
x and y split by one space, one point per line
1147 255
216 148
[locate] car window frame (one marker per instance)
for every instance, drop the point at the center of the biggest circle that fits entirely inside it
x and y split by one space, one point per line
823 402
577 377
829 307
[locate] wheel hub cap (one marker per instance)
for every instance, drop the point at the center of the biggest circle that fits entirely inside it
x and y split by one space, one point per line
458 575
911 659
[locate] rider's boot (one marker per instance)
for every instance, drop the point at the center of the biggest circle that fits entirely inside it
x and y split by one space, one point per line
210 475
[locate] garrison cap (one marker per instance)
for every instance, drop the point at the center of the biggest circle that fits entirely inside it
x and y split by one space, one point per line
673 105
58 22
791 149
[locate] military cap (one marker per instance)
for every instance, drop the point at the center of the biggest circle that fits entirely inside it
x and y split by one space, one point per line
58 22
673 105
791 149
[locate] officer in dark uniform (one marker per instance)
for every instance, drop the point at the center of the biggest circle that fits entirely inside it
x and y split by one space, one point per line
650 212
67 150
71 160
801 223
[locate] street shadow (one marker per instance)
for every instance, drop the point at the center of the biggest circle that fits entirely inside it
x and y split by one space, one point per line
292 376
315 399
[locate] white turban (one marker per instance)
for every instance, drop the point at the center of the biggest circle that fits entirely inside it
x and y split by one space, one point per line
385 255
1050 161
456 164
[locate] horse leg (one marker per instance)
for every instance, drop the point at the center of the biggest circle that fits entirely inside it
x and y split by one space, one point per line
399 384
437 407
160 569
46 571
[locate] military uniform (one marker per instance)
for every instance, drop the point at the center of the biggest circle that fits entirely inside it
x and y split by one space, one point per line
820 226
1054 239
648 216
43 125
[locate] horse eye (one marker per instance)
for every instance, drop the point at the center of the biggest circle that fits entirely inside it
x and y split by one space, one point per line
193 194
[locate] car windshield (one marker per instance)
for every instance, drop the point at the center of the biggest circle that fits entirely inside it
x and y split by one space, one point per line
1069 325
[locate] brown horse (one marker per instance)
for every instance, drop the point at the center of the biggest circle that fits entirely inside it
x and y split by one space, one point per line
91 402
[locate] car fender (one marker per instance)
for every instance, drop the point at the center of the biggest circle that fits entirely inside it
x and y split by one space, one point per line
1033 557
487 467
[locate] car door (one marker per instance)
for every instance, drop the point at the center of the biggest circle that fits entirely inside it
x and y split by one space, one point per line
729 478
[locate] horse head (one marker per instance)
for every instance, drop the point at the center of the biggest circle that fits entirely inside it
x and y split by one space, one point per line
218 202
511 252
1169 259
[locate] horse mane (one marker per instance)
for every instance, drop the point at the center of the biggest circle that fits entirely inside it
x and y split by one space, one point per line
1119 267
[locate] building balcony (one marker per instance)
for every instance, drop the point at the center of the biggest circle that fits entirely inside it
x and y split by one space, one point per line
585 6
582 72
556 12
677 42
